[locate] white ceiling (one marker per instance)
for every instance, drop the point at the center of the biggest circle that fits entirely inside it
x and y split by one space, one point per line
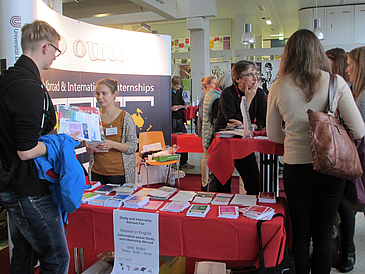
283 13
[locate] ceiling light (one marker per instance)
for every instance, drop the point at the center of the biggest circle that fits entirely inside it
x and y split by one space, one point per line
144 26
247 36
268 22
102 15
317 26
273 35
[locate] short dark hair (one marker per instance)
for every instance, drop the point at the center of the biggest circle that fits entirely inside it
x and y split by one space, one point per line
176 80
240 67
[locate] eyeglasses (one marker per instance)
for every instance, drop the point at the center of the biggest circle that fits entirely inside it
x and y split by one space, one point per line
58 51
251 74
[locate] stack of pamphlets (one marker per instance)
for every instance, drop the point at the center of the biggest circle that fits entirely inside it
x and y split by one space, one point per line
230 212
163 193
175 206
154 205
117 200
203 197
198 210
267 197
243 200
257 212
183 196
222 199
106 189
87 196
99 200
93 185
136 201
145 191
127 188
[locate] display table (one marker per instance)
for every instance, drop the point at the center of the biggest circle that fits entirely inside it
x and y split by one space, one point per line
212 238
187 143
223 152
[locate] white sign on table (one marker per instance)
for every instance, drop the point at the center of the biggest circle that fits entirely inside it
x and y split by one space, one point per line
136 242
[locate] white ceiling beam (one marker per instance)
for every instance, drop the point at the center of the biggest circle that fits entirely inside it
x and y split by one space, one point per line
124 18
166 9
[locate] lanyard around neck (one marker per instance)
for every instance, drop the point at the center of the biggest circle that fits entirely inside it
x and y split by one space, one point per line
238 93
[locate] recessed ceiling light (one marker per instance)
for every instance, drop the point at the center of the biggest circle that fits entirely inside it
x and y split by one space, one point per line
276 35
268 22
102 15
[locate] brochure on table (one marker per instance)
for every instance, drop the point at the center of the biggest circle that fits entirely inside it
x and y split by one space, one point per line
136 242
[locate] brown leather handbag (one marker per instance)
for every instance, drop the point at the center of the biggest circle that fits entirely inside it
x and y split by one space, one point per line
332 146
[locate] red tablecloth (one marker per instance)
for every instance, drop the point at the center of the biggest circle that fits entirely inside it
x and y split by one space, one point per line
190 112
187 142
213 238
223 152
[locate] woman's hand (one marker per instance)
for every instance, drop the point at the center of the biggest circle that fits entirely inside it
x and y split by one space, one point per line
107 145
250 93
234 122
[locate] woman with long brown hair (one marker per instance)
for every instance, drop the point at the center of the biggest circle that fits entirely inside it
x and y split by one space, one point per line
313 198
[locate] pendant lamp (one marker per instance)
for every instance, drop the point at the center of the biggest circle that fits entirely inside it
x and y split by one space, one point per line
247 36
317 28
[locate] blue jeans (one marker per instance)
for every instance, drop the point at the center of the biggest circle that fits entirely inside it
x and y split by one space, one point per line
37 233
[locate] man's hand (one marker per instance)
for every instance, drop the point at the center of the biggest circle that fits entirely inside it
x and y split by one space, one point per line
175 108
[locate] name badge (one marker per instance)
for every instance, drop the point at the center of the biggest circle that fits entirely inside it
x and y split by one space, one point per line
111 131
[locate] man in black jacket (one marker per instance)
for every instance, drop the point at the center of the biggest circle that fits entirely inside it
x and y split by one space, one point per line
178 116
244 80
26 113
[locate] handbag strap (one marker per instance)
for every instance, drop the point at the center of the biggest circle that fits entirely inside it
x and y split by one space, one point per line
331 92
261 249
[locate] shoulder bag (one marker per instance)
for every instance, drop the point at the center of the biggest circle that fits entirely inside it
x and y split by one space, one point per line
332 147
286 266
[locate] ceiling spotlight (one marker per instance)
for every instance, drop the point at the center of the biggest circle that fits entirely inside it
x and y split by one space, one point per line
268 22
144 26
247 36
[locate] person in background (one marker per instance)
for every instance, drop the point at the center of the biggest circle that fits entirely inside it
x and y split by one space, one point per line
207 83
338 62
210 111
36 227
356 76
178 116
117 165
313 197
244 79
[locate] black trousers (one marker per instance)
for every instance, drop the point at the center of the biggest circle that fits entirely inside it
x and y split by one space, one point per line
313 200
249 172
178 126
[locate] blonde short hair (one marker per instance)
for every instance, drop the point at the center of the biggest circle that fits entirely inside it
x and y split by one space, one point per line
37 31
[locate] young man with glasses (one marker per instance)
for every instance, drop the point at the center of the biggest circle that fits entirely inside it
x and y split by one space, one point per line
36 227
244 79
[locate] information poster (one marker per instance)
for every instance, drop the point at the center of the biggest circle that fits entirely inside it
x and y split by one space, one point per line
136 242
